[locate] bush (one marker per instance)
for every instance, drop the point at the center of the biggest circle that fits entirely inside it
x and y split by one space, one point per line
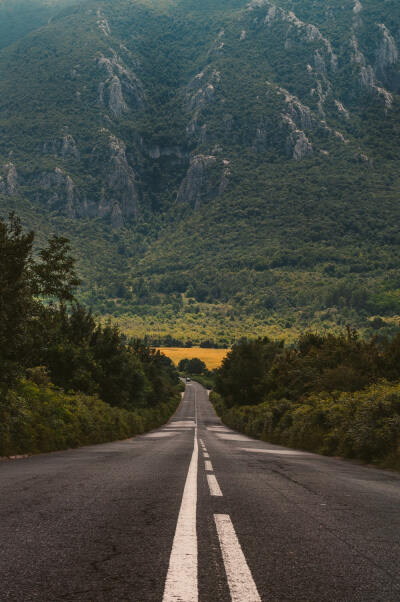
363 425
38 418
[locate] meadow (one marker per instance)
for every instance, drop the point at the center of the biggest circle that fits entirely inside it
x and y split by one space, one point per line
211 357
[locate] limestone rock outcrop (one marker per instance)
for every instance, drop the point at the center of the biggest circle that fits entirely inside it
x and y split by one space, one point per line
203 181
64 147
58 189
122 90
8 179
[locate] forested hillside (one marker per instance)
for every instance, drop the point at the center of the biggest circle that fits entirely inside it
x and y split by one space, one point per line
220 167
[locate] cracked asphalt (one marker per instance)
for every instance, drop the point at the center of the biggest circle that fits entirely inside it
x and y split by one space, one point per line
97 524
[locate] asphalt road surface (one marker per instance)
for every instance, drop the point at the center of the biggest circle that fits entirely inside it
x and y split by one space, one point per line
196 512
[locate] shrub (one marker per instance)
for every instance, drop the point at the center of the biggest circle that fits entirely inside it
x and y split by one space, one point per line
363 425
38 418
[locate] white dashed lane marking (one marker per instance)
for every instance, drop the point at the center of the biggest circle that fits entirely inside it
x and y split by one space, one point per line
160 435
208 466
279 452
240 580
182 581
215 489
234 437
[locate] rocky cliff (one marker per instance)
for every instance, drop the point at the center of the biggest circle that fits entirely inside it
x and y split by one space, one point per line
127 126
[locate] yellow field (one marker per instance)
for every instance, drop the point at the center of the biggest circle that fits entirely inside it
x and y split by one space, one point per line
211 357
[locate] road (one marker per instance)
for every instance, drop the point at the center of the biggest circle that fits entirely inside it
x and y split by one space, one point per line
194 511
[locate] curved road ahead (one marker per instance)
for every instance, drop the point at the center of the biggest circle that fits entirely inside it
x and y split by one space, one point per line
194 511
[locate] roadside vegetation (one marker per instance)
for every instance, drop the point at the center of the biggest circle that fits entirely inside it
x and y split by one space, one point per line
66 380
195 369
330 394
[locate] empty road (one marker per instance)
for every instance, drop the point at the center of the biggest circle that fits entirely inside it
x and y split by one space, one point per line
196 512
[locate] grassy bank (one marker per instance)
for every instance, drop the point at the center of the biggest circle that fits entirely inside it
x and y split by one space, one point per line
36 419
364 425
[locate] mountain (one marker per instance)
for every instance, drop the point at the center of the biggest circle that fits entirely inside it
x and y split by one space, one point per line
221 168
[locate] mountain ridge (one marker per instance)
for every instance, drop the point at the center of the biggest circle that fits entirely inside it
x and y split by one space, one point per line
247 148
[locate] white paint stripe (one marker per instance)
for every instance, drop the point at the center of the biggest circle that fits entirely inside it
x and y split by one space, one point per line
201 441
213 485
206 455
208 465
279 452
234 437
160 435
240 580
181 584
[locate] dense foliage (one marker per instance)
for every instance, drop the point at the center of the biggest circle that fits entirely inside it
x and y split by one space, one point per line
363 425
263 369
192 366
47 336
38 417
333 394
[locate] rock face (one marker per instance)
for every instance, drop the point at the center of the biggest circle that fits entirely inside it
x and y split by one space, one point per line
387 53
296 110
201 89
64 147
200 93
9 180
118 199
297 143
122 90
204 181
103 23
58 189
197 184
368 76
309 33
121 181
387 58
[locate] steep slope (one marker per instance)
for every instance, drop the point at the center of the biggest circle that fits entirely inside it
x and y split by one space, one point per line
244 154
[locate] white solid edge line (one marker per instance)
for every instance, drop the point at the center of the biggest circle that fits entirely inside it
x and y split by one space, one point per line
240 580
213 485
182 578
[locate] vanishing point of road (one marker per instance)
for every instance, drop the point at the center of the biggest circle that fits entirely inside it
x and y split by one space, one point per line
195 512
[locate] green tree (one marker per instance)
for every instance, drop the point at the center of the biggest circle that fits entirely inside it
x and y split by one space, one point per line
243 378
16 299
24 282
